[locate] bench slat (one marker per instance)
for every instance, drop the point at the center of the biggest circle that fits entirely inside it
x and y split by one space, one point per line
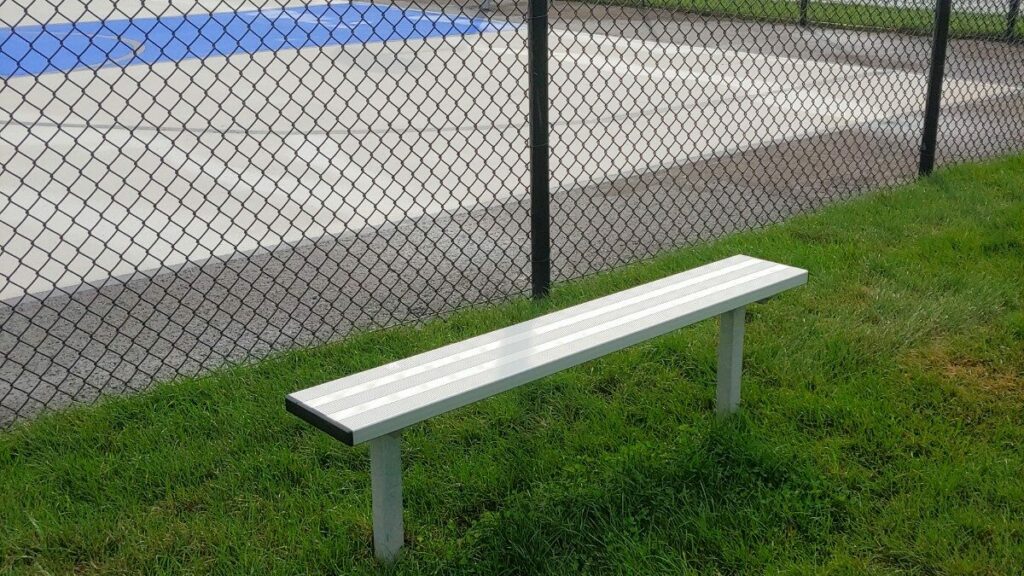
382 400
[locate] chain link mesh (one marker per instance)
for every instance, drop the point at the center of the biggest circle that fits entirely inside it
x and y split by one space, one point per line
206 182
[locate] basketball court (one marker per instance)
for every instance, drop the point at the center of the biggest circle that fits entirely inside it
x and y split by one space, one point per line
164 137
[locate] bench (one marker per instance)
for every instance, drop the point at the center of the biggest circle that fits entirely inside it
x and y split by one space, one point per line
375 405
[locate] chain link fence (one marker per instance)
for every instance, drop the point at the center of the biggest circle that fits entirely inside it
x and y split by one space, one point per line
198 182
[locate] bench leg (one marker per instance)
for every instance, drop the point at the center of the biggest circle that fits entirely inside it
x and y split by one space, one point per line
386 484
730 360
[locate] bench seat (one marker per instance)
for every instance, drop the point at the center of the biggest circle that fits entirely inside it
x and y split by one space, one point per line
376 404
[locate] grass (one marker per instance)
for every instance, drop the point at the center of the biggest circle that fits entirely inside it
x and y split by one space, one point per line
881 432
838 14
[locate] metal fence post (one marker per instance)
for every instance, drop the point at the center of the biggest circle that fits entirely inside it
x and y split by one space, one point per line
540 194
934 97
804 4
1011 19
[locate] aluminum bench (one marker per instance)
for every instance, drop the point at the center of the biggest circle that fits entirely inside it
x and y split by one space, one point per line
375 405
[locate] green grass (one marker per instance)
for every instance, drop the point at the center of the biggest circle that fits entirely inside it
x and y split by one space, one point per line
881 432
820 13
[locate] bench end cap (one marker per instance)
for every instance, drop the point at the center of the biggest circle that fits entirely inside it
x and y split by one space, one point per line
318 419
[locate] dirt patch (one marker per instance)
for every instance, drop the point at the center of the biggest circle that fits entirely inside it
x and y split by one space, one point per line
971 374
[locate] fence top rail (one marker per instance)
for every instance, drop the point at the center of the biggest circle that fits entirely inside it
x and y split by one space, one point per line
367 405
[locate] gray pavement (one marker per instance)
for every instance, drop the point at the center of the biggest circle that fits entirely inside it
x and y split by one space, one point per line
67 348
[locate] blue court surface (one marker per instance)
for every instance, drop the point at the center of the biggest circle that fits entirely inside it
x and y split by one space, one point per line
62 47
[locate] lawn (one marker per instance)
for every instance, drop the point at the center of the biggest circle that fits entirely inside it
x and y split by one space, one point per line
881 431
839 14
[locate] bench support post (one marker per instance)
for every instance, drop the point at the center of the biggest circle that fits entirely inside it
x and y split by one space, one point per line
386 486
730 360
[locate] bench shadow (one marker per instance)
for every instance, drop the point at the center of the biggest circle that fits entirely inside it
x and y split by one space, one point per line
701 500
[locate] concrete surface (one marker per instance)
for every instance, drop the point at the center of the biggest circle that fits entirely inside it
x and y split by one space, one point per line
666 130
